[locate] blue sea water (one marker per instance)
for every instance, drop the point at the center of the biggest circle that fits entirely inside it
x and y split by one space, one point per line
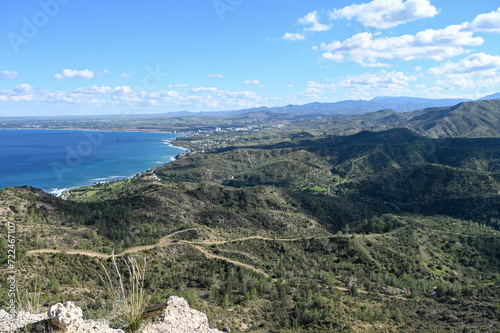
54 160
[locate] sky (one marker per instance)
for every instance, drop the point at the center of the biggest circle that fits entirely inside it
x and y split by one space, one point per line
69 57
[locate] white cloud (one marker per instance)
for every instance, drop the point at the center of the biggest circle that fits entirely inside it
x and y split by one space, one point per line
22 88
86 95
222 100
94 90
124 90
177 85
73 74
293 37
476 70
378 80
476 64
9 75
123 99
363 48
385 14
220 76
252 82
487 22
370 85
374 64
125 75
21 93
102 73
201 90
338 57
313 20
23 98
441 92
316 89
363 86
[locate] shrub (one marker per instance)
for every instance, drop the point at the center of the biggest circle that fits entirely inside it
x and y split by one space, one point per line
128 300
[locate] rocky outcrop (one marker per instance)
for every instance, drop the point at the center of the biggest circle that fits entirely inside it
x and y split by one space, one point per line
177 317
13 323
42 323
65 315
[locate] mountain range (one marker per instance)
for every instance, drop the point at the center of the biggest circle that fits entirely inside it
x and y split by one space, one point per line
347 107
351 107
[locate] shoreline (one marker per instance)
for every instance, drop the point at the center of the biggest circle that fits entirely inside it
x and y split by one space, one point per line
68 190
60 192
92 130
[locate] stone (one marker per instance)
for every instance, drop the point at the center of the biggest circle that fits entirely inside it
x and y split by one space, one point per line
65 315
178 317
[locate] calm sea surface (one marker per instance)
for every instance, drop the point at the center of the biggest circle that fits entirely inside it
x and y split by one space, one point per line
54 160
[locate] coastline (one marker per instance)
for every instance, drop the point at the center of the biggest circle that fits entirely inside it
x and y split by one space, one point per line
65 193
59 192
113 130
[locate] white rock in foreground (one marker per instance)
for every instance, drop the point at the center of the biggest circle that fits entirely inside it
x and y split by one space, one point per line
69 318
180 318
12 323
65 315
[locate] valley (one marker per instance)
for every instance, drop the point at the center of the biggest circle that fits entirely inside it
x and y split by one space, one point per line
385 230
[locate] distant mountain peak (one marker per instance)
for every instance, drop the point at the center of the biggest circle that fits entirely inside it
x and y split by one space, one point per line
492 96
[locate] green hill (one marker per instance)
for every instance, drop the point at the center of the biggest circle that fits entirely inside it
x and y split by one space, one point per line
465 120
470 119
376 231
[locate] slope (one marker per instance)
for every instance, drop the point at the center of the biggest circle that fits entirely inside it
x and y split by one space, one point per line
328 234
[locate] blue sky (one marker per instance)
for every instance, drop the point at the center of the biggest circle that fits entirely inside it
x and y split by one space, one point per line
68 57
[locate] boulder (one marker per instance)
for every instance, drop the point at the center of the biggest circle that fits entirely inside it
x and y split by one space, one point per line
69 318
178 317
65 315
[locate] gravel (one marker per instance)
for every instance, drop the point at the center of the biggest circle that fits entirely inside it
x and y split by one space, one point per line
13 323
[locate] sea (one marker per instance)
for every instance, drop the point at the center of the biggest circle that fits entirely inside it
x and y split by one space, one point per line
56 160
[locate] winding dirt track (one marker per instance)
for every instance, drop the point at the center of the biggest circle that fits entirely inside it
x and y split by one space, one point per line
234 262
162 242
165 241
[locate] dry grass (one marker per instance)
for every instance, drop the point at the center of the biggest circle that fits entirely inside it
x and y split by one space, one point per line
128 298
29 301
